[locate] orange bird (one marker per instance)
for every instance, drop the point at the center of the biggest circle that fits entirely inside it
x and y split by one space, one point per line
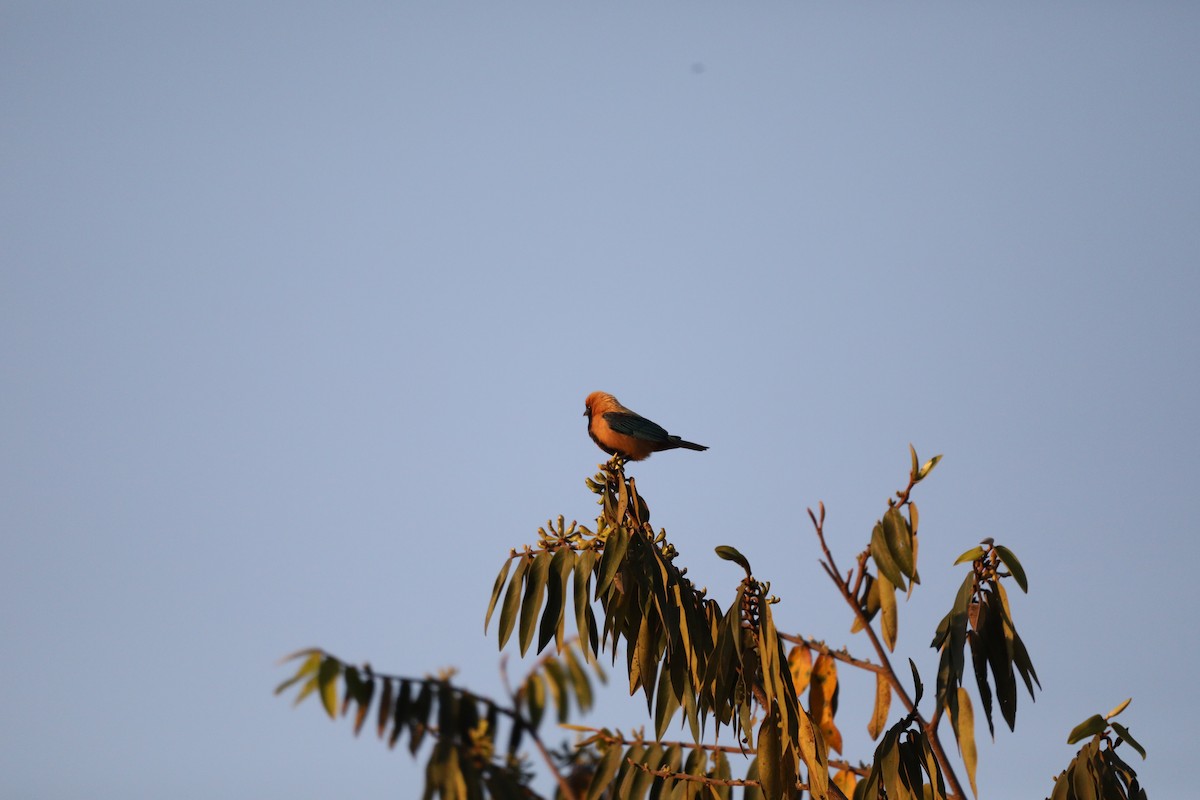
621 432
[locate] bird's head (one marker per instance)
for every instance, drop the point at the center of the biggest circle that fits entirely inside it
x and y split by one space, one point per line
598 400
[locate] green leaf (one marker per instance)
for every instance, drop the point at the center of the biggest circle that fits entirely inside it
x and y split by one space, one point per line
615 547
915 461
918 687
980 664
899 541
327 684
400 714
1083 782
387 705
512 601
890 770
311 663
883 557
605 771
928 466
418 724
496 591
560 567
993 633
1014 566
1091 726
731 554
584 622
535 699
971 555
770 757
1123 732
531 603
558 689
911 775
642 779
627 772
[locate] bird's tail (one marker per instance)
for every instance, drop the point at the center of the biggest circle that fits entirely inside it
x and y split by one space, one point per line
677 442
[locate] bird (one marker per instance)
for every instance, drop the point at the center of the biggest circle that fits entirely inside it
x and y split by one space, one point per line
620 432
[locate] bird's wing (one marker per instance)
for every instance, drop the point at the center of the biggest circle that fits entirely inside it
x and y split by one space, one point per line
636 426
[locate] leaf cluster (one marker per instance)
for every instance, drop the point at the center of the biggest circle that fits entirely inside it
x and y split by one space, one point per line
715 665
982 619
905 766
476 741
683 651
1097 772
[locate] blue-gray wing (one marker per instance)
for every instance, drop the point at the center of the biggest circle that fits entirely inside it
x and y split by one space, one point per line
635 426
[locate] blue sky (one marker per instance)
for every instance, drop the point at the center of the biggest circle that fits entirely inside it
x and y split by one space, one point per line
299 304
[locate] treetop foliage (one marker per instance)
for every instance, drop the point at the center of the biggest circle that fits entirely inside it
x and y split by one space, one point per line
723 669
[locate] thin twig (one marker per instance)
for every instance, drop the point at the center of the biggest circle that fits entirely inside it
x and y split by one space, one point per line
830 567
838 655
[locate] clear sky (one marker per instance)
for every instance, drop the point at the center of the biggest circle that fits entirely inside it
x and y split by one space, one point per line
299 304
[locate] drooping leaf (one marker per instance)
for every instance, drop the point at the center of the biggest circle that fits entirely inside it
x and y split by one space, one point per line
979 662
512 601
770 757
846 780
1123 732
883 703
883 557
890 771
583 601
615 547
800 665
912 775
310 665
418 723
815 755
496 587
1014 566
531 603
822 700
665 705
556 677
400 714
362 698
898 538
964 732
556 582
868 602
889 617
387 705
327 676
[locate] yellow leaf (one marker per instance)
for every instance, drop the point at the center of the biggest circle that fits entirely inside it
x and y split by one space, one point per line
1119 708
883 702
821 693
846 781
887 606
801 665
965 733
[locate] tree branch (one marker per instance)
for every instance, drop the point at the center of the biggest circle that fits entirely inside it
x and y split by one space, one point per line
830 567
